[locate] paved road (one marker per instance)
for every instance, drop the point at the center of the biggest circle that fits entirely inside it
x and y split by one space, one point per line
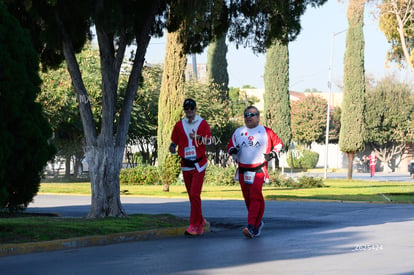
298 238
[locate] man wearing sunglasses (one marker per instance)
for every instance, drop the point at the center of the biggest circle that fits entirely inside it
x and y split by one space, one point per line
191 135
252 146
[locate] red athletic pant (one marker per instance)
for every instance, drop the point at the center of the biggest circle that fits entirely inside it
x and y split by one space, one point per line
372 169
194 183
253 198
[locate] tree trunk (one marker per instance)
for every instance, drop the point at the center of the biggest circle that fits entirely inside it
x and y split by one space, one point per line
77 167
67 166
350 158
104 171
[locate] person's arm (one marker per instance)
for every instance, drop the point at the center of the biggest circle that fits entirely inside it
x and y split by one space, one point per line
174 140
276 145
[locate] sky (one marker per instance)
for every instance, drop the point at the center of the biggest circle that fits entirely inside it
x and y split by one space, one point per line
309 54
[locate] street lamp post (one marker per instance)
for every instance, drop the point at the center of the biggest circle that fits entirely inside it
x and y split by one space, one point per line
329 100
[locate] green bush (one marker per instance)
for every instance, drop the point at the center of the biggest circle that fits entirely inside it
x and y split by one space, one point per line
171 169
219 176
282 180
305 159
310 182
140 175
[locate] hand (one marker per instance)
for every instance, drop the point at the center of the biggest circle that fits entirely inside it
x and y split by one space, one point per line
172 148
270 156
233 151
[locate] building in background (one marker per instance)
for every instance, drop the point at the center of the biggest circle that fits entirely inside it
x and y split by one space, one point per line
336 98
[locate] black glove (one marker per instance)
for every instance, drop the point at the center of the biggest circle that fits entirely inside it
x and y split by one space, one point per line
233 151
270 156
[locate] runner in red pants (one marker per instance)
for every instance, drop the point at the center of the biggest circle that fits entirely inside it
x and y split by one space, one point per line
191 135
372 162
252 146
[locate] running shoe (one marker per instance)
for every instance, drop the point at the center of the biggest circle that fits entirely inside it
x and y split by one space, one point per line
200 228
259 229
249 231
191 231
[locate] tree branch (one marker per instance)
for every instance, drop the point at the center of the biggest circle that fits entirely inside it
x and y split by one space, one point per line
89 126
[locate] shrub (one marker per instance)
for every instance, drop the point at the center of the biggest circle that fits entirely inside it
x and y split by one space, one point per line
140 175
281 180
219 176
171 169
305 159
310 182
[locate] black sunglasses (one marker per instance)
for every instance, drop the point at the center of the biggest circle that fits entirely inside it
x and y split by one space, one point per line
189 108
250 114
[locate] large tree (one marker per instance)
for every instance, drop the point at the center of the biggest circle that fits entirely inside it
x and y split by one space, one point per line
351 137
60 28
61 107
171 99
309 120
217 65
397 23
276 97
276 75
24 130
390 110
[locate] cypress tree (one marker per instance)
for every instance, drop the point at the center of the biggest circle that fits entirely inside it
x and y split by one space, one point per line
170 109
24 131
351 137
217 64
276 96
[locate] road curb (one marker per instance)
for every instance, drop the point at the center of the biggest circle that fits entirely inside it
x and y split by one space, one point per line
73 243
24 248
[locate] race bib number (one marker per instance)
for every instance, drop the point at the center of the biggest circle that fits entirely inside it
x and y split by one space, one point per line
249 177
190 153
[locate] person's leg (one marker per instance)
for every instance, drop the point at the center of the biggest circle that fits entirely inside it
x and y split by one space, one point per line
257 204
245 191
194 182
248 231
254 200
187 175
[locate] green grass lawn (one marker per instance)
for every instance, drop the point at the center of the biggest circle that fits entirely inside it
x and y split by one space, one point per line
37 228
336 189
34 229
